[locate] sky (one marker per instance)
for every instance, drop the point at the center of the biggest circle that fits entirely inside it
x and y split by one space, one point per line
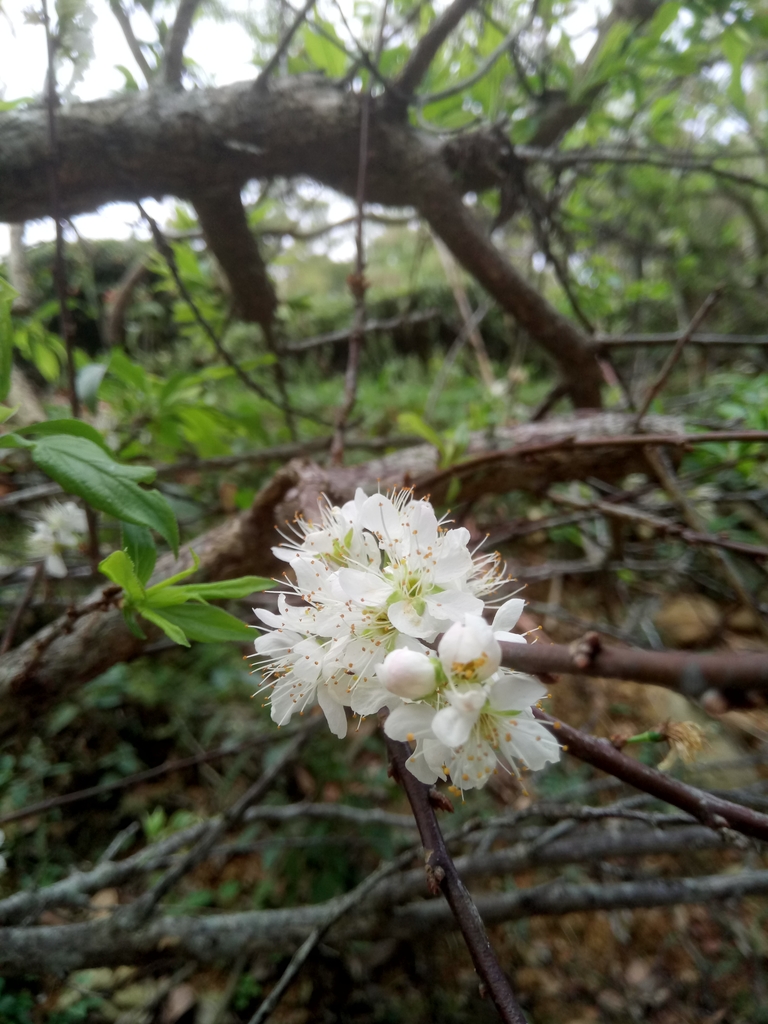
223 51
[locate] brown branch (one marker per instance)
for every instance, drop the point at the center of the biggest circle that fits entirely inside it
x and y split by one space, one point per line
121 297
525 453
285 42
710 810
133 44
443 875
635 340
674 355
246 379
21 607
369 327
67 327
688 673
441 205
665 473
628 513
173 64
426 49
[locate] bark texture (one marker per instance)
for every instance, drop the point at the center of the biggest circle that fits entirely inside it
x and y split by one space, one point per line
204 145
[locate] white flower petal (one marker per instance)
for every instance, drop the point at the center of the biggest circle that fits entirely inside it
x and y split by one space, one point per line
453 726
506 617
453 605
410 721
515 692
334 712
404 617
365 588
510 638
528 740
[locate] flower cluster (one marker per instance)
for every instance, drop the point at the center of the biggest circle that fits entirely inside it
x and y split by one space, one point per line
60 527
378 580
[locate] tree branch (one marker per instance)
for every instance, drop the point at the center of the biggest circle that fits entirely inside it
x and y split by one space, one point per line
443 877
173 64
710 810
687 673
426 49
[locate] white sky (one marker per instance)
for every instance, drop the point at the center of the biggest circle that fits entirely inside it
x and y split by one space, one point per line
222 51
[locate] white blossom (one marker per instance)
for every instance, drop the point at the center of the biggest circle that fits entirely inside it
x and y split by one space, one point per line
376 580
59 528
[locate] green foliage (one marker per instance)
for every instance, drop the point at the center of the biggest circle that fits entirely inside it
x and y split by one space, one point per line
200 621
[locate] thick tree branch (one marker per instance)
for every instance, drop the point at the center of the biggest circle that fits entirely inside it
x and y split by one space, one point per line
217 938
441 205
228 236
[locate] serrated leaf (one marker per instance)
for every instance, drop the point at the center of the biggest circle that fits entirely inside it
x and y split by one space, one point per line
85 469
140 547
119 568
171 629
74 428
208 624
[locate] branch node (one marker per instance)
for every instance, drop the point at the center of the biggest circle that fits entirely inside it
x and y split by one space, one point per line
585 650
439 800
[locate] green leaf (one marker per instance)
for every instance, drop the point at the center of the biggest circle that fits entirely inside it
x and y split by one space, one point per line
208 624
14 441
323 53
85 469
179 575
6 411
411 422
175 632
140 548
74 428
240 587
119 568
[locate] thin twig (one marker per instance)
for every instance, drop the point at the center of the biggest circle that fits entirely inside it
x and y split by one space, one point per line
709 810
426 49
357 282
42 806
283 45
674 355
347 903
142 909
443 874
629 514
21 607
660 463
167 253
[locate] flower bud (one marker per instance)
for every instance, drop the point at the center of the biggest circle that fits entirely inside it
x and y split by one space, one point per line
408 674
469 651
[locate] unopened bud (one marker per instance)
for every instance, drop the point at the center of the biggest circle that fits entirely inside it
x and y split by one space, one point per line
408 674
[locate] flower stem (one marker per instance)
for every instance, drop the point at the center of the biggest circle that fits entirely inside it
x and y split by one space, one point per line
442 871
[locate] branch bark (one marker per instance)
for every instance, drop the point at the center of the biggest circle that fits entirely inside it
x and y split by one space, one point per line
173 64
229 238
